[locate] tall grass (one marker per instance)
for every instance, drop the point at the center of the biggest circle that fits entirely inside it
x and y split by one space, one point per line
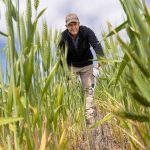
41 104
38 106
124 85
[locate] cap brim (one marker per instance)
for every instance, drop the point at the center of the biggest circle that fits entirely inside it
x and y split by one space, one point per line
73 20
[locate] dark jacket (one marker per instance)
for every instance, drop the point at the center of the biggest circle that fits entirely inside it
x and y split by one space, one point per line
82 55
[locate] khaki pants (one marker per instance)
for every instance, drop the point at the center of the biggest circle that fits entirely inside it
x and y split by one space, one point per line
87 79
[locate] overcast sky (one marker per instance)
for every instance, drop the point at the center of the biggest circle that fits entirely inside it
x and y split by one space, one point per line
92 13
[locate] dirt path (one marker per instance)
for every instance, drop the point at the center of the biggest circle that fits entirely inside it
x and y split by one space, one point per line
101 138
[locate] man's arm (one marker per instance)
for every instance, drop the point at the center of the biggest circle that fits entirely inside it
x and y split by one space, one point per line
95 43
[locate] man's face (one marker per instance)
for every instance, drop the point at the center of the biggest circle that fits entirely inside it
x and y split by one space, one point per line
73 28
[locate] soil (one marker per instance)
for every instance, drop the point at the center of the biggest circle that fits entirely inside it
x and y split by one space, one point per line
101 138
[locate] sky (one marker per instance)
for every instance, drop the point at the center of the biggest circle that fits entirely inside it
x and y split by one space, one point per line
94 14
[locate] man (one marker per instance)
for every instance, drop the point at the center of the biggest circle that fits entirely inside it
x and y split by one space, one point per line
78 39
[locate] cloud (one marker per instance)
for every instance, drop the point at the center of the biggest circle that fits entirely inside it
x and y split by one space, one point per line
91 13
2 17
94 14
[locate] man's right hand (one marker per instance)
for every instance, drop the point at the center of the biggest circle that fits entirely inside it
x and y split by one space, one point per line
98 65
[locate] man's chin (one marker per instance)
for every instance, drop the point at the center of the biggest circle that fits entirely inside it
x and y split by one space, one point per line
74 33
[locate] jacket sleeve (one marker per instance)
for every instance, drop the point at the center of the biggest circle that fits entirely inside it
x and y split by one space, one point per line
95 43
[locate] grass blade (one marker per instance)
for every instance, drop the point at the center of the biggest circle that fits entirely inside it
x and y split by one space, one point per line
7 120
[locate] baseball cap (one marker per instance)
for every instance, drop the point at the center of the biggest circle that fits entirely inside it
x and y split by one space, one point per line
72 17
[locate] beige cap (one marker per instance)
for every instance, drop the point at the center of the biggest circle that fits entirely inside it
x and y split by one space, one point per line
72 17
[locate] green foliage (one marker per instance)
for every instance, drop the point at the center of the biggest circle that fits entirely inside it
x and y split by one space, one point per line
38 104
6 120
134 116
4 34
36 4
123 87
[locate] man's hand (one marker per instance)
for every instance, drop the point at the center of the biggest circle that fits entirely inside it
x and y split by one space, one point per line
98 65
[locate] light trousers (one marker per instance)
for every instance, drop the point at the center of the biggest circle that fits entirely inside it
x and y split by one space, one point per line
87 79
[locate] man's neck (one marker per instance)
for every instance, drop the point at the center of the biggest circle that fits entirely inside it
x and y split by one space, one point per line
73 36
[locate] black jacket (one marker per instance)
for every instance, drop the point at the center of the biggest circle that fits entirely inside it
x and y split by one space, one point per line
82 55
